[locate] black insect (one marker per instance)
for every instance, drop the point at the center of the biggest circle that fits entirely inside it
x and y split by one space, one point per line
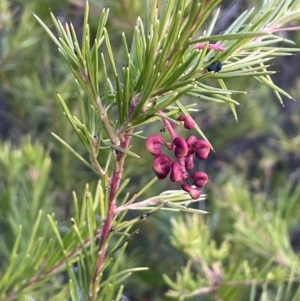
215 67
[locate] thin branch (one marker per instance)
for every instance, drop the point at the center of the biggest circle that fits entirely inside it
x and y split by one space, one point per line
106 121
145 203
115 184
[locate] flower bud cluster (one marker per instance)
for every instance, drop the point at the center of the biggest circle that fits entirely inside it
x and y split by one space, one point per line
185 151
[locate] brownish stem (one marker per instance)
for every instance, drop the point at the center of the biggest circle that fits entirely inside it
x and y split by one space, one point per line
115 184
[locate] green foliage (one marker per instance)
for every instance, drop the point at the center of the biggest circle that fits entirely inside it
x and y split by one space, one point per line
22 197
113 90
256 251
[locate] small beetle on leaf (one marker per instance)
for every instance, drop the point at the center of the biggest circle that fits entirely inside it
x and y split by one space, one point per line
215 67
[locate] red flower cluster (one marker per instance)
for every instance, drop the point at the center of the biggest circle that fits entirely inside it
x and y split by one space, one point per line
184 151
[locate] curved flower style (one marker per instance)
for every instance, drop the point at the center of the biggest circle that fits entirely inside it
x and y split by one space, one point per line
153 144
202 149
190 141
194 192
185 150
188 122
176 172
189 162
181 147
200 178
161 166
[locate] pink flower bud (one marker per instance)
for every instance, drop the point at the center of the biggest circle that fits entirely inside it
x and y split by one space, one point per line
190 141
188 122
216 47
153 144
200 178
181 147
202 149
194 192
189 162
176 172
161 166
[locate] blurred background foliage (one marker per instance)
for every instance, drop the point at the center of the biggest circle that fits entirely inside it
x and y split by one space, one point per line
254 171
